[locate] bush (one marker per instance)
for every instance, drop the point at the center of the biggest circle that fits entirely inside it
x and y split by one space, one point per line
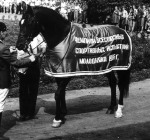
140 54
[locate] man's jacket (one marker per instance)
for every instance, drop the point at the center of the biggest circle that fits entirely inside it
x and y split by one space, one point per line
7 59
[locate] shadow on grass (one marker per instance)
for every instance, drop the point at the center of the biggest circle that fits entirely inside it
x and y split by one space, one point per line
8 121
130 132
85 104
79 105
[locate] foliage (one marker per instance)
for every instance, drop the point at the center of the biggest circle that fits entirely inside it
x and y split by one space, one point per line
103 8
141 53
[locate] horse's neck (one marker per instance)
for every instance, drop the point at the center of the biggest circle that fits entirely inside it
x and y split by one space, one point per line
54 36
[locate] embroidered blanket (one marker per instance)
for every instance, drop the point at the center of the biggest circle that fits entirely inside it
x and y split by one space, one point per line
90 51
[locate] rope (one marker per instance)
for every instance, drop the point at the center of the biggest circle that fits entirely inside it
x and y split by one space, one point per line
66 51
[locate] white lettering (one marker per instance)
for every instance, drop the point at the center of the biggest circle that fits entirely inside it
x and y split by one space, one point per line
92 60
113 57
99 40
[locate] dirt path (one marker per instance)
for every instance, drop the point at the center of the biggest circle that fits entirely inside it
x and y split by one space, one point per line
86 115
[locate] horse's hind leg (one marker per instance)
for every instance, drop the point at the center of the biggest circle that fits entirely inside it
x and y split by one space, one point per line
112 82
61 109
123 84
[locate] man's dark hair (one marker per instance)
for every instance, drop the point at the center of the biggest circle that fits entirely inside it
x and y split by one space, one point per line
3 27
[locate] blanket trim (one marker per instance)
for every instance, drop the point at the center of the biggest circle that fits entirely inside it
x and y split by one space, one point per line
84 73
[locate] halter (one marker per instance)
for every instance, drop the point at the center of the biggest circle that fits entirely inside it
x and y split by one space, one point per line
30 37
30 50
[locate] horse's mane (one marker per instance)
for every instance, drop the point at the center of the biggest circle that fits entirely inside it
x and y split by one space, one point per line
49 14
54 26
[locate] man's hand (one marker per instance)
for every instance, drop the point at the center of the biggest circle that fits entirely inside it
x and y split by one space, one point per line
32 58
43 50
12 49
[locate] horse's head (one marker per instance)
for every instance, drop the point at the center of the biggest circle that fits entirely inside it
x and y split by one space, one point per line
29 27
43 20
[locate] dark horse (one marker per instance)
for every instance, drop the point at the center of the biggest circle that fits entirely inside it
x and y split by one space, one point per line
54 29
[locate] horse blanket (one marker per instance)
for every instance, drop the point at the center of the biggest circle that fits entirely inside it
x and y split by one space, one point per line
90 51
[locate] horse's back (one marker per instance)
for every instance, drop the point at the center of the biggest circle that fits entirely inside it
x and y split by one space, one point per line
106 28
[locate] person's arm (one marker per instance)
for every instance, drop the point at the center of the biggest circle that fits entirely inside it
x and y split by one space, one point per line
145 13
126 14
22 63
11 58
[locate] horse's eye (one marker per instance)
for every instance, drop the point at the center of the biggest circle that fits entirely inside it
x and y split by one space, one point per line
22 21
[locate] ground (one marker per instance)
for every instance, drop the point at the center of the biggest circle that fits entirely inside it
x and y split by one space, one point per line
86 119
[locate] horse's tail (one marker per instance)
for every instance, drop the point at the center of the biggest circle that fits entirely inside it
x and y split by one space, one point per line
124 82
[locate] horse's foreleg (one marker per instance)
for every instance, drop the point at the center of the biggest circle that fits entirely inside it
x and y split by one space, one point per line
63 99
112 82
63 104
58 103
61 108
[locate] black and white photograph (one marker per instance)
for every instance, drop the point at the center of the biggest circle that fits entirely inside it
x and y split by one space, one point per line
74 69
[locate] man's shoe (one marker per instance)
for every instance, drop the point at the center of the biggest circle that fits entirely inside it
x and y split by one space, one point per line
23 118
32 117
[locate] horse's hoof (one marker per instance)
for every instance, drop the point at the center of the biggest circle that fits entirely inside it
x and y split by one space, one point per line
118 115
63 120
56 123
109 111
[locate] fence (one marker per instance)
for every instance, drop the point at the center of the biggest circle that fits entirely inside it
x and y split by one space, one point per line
8 16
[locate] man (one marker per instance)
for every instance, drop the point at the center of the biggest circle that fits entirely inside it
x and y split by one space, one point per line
124 17
135 17
8 57
29 81
116 16
84 12
143 17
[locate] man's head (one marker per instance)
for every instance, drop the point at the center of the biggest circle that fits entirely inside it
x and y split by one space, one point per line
3 27
3 30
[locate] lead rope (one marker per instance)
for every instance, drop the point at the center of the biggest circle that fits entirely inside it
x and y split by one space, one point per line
66 51
31 49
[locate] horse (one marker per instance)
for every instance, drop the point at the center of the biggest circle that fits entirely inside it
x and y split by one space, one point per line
55 29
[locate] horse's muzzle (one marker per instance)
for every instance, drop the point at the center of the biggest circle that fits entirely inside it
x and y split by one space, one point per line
20 46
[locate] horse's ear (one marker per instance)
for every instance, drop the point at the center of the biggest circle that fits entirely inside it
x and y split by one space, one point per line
29 10
26 8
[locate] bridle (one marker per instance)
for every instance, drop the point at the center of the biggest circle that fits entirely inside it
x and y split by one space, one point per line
30 51
30 37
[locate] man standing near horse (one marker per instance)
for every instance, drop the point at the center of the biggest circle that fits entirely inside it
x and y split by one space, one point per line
29 80
8 56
